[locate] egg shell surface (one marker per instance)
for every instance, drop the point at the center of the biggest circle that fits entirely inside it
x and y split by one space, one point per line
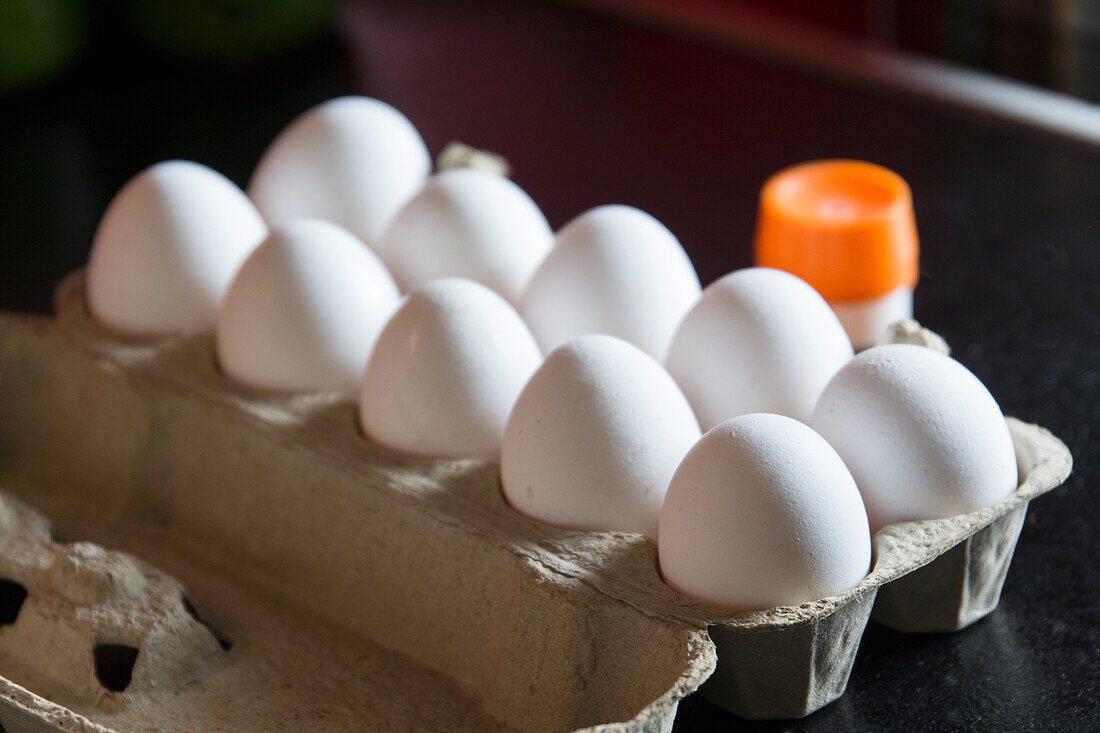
758 340
446 371
595 437
471 224
762 512
614 270
351 160
304 310
920 433
167 248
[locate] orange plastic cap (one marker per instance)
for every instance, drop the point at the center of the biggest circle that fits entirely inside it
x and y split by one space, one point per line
844 226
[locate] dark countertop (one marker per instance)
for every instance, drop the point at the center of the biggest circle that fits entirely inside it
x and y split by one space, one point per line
591 110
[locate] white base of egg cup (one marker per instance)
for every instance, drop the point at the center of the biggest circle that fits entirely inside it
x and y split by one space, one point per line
866 320
426 558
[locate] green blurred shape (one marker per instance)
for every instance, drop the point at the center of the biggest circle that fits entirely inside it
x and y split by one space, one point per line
228 31
39 39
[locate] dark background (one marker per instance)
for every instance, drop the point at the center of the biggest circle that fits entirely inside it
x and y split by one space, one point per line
591 110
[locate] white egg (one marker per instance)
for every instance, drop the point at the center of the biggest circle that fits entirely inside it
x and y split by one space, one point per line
613 270
595 437
166 249
763 513
758 340
304 310
922 436
470 224
351 160
446 371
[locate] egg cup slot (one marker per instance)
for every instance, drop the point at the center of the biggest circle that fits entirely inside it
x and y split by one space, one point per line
958 588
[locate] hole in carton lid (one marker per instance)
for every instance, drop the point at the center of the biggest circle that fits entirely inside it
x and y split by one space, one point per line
12 595
114 665
225 642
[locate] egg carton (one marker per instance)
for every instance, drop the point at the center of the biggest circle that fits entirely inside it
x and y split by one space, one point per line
540 628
